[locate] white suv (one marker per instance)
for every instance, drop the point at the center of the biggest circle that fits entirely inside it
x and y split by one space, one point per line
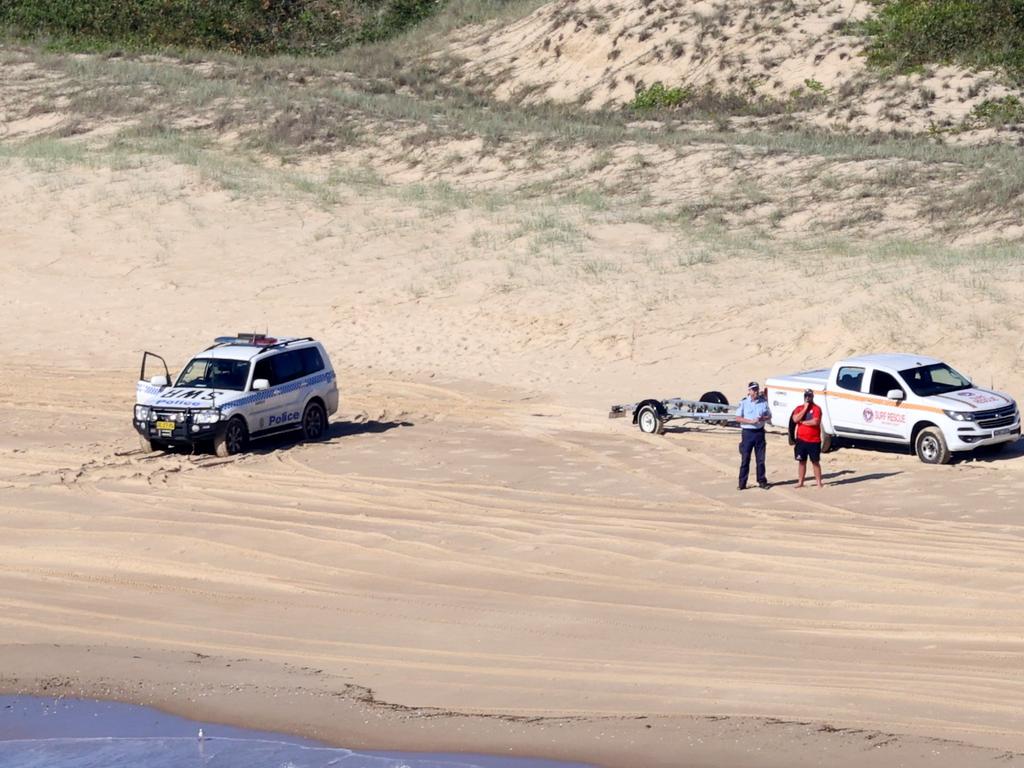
241 388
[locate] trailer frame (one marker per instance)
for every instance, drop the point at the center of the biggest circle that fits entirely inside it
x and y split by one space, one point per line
652 415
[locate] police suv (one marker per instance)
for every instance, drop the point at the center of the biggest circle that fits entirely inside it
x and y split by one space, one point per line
240 388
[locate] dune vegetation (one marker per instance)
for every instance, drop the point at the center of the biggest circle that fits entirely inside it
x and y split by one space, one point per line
240 26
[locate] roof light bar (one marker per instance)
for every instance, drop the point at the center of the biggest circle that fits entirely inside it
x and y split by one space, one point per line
253 339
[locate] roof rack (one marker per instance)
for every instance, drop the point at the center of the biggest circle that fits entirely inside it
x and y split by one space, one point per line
285 343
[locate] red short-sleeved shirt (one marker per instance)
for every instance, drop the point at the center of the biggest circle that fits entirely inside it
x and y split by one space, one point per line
806 432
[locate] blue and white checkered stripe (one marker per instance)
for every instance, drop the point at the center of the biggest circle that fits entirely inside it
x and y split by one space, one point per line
284 389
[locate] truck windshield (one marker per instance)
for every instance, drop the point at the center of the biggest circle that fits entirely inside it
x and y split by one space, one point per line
936 379
210 373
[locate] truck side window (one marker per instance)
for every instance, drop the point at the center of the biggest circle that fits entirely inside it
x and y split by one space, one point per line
850 378
882 383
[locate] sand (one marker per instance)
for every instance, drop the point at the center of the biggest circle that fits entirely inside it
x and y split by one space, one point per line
478 559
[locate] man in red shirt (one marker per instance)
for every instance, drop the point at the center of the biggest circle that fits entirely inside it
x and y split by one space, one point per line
807 418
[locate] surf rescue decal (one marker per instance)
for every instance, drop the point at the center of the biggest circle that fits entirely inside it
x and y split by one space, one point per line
872 415
976 397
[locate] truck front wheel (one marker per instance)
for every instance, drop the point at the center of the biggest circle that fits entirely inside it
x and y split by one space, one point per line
930 446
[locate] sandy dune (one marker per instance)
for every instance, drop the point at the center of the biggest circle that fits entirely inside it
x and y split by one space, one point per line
807 53
478 558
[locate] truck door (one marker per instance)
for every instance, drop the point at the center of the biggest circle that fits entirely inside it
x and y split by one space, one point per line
846 403
888 417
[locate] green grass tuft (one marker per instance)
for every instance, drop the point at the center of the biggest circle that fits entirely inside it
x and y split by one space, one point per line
241 26
659 97
1008 110
908 34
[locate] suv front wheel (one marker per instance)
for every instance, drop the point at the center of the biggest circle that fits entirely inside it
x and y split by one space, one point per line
232 440
148 445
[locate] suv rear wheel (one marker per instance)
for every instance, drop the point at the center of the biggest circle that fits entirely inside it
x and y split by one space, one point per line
314 422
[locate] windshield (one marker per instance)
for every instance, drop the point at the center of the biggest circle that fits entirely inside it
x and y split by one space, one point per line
205 372
937 379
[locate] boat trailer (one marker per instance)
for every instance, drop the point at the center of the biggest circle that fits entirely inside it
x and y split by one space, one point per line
652 415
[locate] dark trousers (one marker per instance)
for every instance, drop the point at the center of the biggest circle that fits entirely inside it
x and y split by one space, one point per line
752 440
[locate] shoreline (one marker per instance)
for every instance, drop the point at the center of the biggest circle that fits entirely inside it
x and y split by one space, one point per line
349 716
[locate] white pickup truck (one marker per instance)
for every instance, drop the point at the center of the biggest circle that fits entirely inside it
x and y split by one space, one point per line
901 399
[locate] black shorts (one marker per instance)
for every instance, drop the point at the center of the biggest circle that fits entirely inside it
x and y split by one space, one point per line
804 451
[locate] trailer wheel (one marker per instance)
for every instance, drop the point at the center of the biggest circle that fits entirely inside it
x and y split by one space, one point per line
930 446
714 397
650 421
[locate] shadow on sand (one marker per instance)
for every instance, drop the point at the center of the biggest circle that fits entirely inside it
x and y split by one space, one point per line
335 431
990 454
830 478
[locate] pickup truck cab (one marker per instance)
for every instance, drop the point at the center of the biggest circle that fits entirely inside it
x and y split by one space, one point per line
240 388
900 399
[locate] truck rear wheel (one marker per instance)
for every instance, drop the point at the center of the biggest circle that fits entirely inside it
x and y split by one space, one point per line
650 421
828 442
930 446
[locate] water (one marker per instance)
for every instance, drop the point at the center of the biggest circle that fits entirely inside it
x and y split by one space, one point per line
79 733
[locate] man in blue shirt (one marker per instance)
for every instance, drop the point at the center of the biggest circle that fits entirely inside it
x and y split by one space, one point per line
752 414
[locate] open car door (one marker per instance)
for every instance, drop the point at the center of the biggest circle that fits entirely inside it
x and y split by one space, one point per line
153 372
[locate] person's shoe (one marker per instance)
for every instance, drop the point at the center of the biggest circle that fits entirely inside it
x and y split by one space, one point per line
741 487
764 485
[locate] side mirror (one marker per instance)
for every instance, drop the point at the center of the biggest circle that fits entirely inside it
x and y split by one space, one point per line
896 394
158 381
259 384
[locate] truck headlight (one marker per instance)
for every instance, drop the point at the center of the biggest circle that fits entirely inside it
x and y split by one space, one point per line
959 415
206 417
143 413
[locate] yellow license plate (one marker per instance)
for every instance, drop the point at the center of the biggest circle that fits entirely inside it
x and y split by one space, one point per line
167 426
